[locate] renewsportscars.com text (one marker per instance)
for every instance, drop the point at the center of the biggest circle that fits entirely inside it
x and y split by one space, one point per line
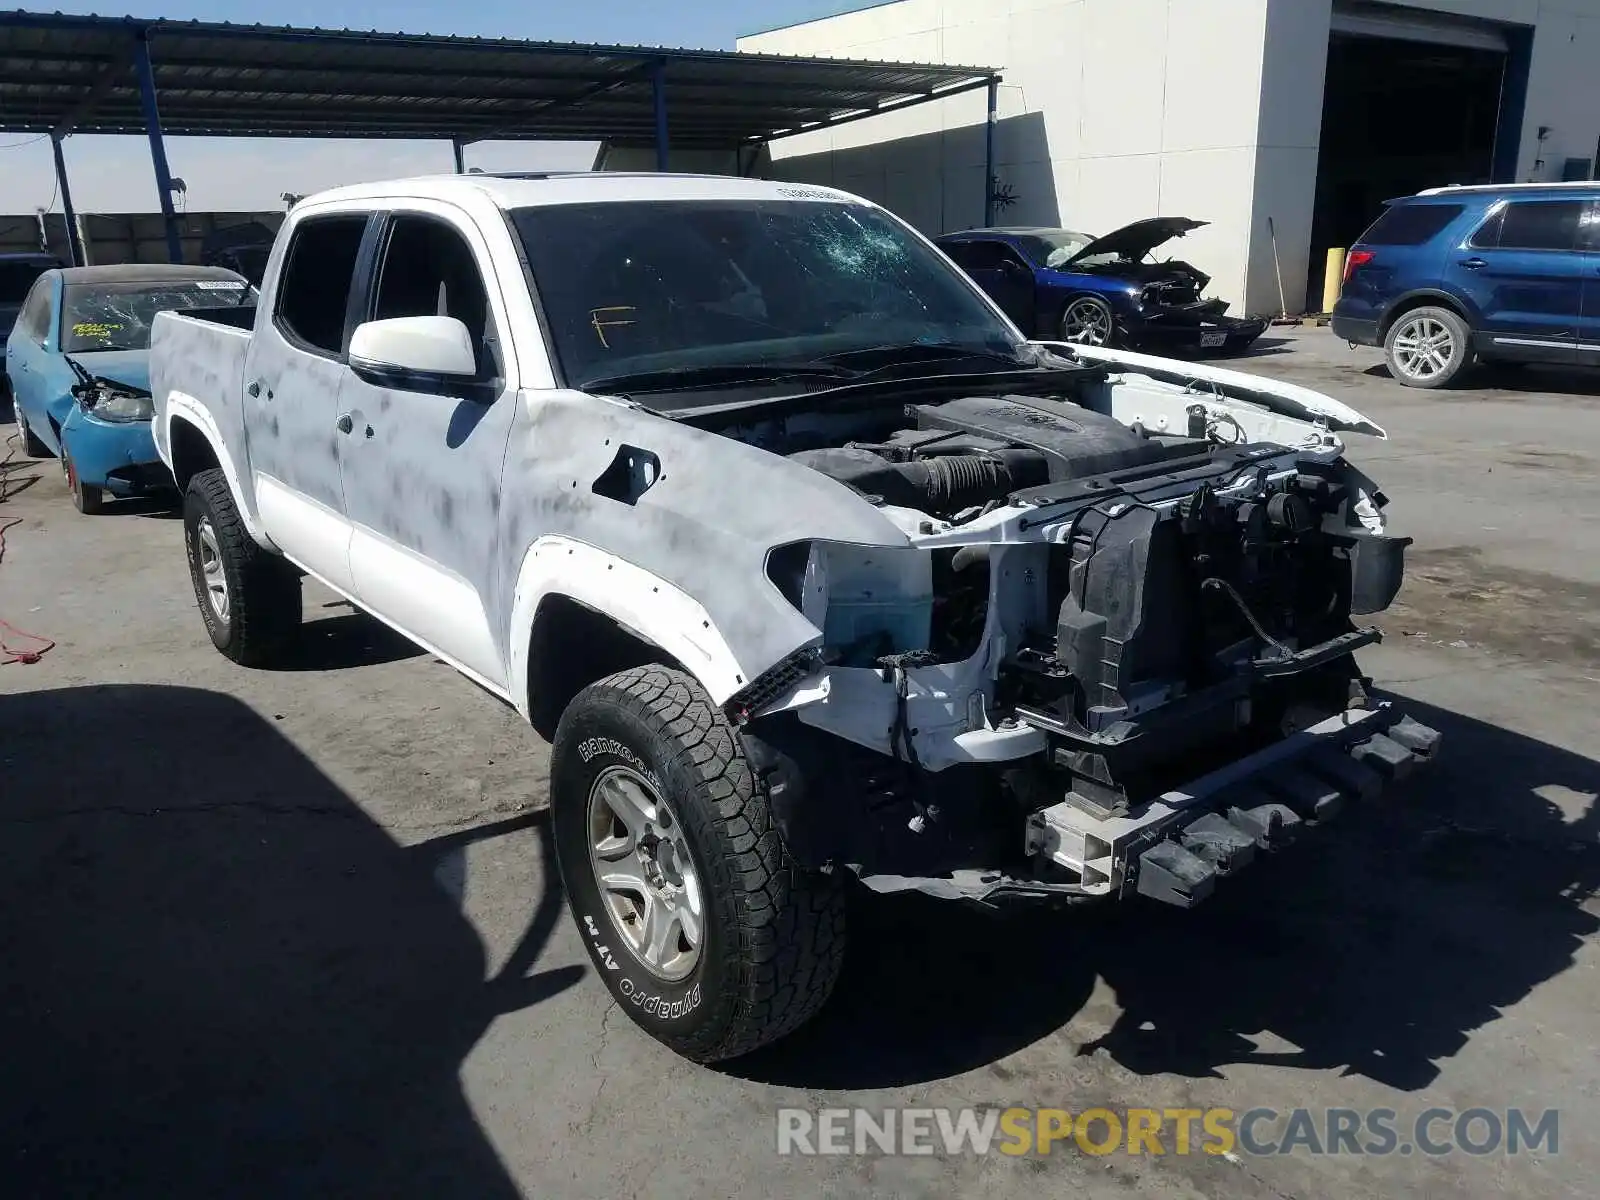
1181 1131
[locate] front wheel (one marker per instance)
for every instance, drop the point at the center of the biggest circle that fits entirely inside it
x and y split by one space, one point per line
248 597
708 935
85 499
1428 347
1088 320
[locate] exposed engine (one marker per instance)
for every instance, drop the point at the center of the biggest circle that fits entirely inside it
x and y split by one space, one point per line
1213 616
1171 284
979 450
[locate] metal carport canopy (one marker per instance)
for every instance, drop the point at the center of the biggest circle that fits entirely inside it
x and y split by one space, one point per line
62 74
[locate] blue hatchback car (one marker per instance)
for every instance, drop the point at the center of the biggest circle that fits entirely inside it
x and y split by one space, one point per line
1496 273
78 363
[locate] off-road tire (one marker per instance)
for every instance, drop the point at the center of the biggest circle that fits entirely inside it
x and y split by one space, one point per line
263 589
773 938
87 500
1461 353
31 445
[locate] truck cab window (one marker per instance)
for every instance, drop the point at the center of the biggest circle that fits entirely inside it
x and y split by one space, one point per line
428 271
318 269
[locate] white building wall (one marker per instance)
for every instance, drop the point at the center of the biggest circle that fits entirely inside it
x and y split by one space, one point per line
1099 123
1112 110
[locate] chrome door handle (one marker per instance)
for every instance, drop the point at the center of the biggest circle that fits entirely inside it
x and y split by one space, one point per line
345 423
1473 264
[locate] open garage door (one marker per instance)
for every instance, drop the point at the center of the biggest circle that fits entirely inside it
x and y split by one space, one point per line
1412 100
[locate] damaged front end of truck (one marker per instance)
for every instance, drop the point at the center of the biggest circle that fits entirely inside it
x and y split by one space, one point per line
1115 654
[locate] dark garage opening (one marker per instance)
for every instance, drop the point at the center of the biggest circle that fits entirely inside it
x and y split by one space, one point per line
1398 116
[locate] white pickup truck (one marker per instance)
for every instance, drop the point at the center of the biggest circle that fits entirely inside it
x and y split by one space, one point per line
813 569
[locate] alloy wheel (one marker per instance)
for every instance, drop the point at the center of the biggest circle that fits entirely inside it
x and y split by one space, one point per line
211 570
647 879
1423 348
1087 322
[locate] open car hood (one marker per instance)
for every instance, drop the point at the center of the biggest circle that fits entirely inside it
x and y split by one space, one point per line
1275 395
1136 240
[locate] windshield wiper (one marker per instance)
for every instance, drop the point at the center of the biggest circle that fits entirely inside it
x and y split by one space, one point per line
712 375
85 379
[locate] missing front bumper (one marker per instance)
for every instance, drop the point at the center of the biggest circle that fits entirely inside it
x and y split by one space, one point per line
1175 848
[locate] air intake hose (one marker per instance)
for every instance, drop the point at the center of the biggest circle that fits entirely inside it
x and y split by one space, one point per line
944 484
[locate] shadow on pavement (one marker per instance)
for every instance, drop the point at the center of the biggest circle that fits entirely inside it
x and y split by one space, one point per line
353 639
1377 947
1512 378
219 977
155 508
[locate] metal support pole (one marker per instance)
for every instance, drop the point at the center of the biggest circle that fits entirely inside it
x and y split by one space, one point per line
658 90
988 153
74 247
460 148
158 149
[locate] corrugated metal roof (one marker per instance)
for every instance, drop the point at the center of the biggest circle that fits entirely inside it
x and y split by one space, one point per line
216 79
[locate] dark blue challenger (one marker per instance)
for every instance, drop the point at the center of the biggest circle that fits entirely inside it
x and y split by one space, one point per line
1060 285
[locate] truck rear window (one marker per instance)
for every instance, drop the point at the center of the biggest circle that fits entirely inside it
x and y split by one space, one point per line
1409 224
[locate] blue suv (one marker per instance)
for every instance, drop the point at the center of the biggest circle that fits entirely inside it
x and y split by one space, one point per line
1501 273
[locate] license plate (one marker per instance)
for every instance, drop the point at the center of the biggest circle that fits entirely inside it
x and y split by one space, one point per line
1213 337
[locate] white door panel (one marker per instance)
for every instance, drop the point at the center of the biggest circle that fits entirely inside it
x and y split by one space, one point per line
425 601
421 456
309 532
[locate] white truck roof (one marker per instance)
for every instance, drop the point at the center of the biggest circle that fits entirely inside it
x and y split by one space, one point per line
581 187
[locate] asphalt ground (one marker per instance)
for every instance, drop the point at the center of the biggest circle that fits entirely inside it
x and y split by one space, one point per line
296 932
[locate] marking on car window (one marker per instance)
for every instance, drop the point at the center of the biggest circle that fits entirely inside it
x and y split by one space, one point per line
602 323
94 329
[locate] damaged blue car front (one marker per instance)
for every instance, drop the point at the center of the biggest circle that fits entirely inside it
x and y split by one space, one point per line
79 364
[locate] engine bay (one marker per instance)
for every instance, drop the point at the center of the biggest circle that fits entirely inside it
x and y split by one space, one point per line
1093 576
980 450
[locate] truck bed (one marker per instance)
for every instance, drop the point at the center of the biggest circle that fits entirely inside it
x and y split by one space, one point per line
197 374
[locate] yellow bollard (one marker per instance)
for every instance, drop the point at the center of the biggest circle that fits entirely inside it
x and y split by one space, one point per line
1333 280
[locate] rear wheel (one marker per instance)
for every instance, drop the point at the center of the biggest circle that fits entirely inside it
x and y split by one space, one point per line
249 598
31 446
1428 347
85 499
707 933
1088 321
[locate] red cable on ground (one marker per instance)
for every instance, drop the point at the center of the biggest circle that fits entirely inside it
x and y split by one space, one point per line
42 645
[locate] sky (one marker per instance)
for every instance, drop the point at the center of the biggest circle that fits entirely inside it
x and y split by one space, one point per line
249 174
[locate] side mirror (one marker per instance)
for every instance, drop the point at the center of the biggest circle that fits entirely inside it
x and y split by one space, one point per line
414 346
1010 266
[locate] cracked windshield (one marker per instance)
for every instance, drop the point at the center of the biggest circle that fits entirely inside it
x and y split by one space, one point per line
758 287
118 316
